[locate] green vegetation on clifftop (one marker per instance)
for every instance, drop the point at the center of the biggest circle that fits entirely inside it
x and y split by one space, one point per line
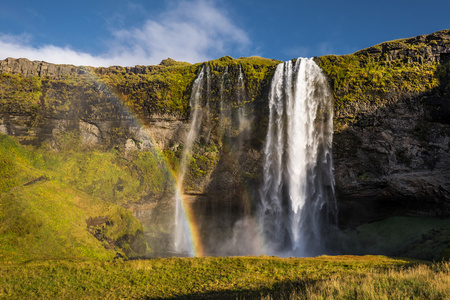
384 74
362 85
160 89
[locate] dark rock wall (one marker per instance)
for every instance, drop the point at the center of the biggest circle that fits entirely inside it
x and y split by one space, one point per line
397 165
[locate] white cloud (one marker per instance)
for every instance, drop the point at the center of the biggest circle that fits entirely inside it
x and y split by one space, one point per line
18 47
188 31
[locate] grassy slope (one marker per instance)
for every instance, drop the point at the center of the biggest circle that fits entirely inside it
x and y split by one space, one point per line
42 217
224 278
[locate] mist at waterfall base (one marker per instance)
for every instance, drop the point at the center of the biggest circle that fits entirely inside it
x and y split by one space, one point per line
293 209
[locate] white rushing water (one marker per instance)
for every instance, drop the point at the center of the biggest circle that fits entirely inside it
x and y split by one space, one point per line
225 107
182 243
297 194
243 119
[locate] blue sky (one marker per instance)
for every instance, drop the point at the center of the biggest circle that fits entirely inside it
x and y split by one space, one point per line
143 32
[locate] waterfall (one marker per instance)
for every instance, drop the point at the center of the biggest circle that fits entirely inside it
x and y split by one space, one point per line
235 118
183 244
243 121
225 107
234 125
297 195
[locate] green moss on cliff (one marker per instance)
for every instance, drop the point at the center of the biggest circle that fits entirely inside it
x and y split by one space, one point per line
115 175
82 97
224 99
165 88
158 89
20 95
200 165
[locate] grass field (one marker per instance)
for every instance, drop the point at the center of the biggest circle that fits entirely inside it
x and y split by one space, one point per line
325 277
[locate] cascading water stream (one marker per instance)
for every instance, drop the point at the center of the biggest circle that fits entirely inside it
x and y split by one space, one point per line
244 122
297 195
183 244
225 108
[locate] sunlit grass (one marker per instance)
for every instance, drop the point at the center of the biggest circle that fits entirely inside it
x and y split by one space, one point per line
326 277
419 282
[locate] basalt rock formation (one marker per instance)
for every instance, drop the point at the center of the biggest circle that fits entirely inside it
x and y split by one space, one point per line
391 144
38 68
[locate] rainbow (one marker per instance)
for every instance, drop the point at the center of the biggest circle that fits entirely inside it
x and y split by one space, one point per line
194 238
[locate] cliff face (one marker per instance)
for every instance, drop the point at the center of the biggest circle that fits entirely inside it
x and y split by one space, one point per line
28 68
391 142
397 164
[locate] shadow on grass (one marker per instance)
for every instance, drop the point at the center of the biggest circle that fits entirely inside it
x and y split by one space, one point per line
280 290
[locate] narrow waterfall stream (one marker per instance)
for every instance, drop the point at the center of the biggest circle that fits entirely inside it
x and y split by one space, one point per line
297 193
242 118
182 243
